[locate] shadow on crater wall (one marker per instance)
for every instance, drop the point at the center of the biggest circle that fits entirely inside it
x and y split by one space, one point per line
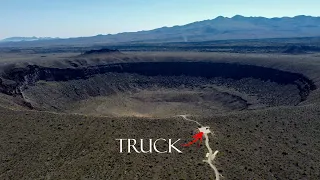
22 77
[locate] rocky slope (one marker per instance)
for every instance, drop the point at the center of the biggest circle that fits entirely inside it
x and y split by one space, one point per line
235 86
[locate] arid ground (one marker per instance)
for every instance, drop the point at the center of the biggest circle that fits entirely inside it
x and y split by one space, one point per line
61 113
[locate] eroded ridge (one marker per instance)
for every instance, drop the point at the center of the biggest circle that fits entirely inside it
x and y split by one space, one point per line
210 156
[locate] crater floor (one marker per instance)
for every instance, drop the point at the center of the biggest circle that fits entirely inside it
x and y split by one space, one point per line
124 94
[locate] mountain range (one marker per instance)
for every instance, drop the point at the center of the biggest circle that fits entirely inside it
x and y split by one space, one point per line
220 28
18 39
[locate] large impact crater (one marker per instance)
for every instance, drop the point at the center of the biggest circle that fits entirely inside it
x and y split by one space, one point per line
151 89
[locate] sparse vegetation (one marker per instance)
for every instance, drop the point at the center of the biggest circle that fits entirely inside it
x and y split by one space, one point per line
266 125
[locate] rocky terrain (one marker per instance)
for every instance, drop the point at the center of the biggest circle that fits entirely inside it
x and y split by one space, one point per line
220 86
60 116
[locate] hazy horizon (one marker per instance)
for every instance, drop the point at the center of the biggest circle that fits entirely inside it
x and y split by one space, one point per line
81 18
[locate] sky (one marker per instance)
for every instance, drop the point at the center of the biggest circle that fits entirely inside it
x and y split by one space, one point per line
76 18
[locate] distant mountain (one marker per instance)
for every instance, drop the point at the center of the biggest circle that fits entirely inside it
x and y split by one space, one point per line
220 28
18 39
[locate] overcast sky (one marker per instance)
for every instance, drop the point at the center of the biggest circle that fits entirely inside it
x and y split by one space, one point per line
74 18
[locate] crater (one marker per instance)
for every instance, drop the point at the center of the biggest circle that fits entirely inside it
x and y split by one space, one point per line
155 89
